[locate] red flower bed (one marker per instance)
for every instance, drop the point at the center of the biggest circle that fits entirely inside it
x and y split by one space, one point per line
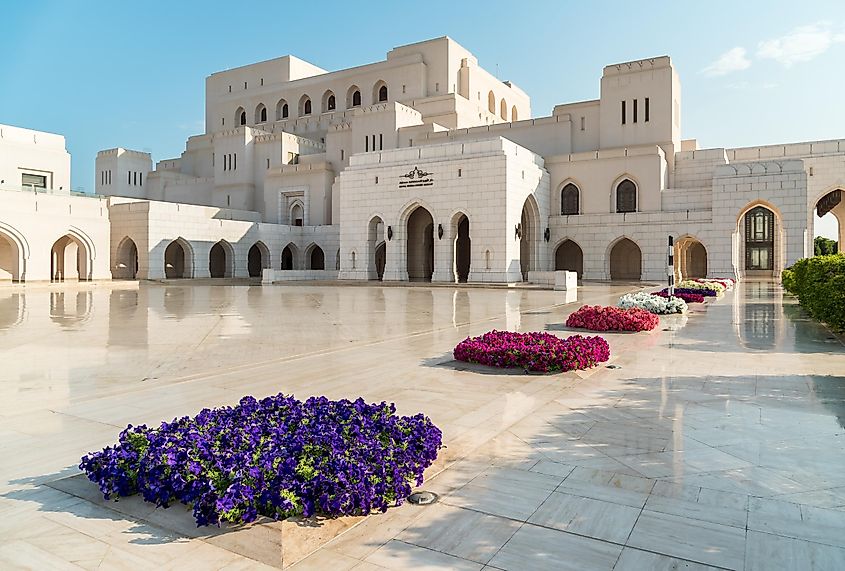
598 318
541 352
687 297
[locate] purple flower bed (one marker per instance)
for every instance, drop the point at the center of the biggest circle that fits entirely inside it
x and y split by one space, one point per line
541 352
276 457
687 297
704 292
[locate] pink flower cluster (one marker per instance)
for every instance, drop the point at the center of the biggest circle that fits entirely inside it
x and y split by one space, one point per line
541 352
687 297
598 318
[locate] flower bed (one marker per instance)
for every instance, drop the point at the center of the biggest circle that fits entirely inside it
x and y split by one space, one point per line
696 285
598 318
727 283
652 303
276 457
687 296
542 352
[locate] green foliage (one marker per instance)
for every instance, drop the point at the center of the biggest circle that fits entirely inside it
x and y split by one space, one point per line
819 283
824 246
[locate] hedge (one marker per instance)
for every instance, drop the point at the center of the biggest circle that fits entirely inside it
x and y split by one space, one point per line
819 283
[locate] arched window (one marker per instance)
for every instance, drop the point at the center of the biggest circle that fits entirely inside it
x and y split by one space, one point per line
281 109
382 93
304 105
569 199
514 115
260 113
329 102
626 196
243 117
356 98
503 110
240 116
491 103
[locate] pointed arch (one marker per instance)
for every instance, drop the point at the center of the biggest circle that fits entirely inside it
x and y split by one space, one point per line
570 198
290 257
624 259
380 92
329 102
179 259
529 238
491 103
690 255
514 114
315 257
221 260
282 110
419 244
304 106
625 193
260 113
126 263
503 109
14 251
240 116
353 97
569 256
461 246
258 258
376 247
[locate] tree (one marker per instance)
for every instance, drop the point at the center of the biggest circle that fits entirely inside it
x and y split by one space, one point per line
824 246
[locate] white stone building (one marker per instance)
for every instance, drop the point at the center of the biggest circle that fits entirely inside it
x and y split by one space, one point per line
425 166
46 231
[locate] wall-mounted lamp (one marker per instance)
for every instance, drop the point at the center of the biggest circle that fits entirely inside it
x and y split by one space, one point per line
547 234
518 230
440 231
389 233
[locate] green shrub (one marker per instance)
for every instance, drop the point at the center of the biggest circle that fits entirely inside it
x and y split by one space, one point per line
819 283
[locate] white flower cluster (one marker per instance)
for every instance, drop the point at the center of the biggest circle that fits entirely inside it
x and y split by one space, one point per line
718 287
653 303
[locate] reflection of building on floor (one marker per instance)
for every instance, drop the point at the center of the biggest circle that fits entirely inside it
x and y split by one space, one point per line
408 171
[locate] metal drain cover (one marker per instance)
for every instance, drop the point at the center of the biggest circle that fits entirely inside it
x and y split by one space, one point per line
423 498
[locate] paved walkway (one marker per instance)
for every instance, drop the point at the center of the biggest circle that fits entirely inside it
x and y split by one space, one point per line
715 444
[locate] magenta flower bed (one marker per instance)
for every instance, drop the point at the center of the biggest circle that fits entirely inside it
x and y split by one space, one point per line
540 352
598 318
687 297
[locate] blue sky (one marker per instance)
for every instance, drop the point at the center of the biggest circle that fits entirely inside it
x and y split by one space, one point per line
131 74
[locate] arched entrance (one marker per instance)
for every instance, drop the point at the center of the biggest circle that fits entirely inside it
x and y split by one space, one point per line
463 251
219 260
625 261
289 257
376 249
177 260
829 223
381 258
258 258
528 237
690 258
420 245
759 239
569 256
316 259
69 260
126 267
10 259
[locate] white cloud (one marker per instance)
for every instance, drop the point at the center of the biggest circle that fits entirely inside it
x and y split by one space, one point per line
732 60
801 44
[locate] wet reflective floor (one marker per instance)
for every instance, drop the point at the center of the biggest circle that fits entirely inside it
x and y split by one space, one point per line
718 442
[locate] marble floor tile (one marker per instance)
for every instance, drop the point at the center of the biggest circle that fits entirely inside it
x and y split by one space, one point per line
586 516
693 540
766 552
399 555
463 533
638 560
541 549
